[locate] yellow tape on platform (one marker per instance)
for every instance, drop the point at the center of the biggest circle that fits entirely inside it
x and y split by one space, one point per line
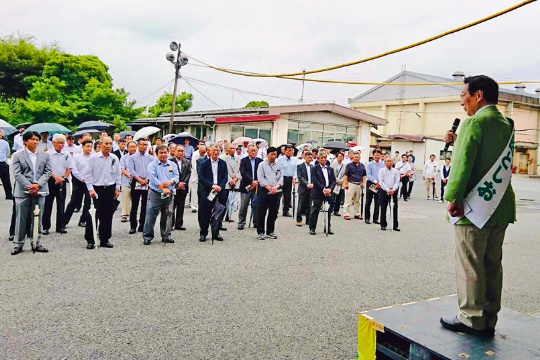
367 337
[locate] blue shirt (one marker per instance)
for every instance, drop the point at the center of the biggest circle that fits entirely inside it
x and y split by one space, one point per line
188 152
288 165
4 150
137 164
372 170
123 165
159 172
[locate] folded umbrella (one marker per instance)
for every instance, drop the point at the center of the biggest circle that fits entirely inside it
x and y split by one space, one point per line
232 202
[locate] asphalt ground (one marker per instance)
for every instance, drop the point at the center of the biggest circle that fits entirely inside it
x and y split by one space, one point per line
297 297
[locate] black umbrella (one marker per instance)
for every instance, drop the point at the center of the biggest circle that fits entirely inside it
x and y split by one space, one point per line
336 145
180 139
92 124
123 134
295 150
84 131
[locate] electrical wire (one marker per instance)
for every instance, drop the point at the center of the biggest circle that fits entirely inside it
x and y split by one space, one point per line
146 96
410 46
206 97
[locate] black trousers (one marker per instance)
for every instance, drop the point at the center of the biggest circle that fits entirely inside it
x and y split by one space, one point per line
371 196
304 206
58 193
136 197
6 180
404 186
287 193
178 207
338 199
409 190
384 200
79 192
267 203
205 214
443 185
316 207
105 205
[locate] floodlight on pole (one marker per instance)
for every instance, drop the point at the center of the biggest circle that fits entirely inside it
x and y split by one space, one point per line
178 61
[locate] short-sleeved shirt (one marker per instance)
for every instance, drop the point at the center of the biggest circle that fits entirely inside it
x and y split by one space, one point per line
355 173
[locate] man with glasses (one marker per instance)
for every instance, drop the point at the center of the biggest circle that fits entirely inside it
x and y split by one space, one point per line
137 167
270 177
324 182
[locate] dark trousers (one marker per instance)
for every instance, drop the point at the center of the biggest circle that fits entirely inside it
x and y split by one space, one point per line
316 207
404 185
6 181
79 192
205 214
304 206
443 185
267 203
178 209
246 200
14 222
287 193
338 200
409 190
105 205
157 205
58 193
136 197
371 196
384 200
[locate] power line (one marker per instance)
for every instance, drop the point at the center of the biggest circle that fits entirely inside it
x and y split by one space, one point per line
146 96
410 46
206 97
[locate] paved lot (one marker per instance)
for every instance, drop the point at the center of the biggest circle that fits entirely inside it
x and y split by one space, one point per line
296 297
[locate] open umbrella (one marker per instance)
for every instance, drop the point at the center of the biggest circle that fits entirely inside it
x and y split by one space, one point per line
82 132
241 140
123 134
93 124
145 132
358 148
180 139
255 141
336 145
168 137
8 128
295 150
51 128
301 146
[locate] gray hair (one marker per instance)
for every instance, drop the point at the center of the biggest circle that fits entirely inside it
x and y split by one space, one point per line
321 154
252 145
160 147
59 137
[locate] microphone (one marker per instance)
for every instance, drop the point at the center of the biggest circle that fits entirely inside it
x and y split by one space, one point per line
453 130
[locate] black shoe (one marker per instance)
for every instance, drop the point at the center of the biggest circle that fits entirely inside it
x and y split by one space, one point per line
312 232
140 229
147 242
132 231
62 231
11 237
222 228
240 227
217 238
16 250
396 229
41 249
76 210
287 215
168 241
44 232
81 224
383 227
405 199
457 326
90 246
376 222
179 228
230 220
368 222
106 245
194 211
202 238
337 214
330 232
271 236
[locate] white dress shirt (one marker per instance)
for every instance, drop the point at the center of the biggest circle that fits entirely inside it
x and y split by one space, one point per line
69 149
33 160
308 168
403 167
325 174
215 170
60 162
103 171
389 179
80 165
18 143
430 169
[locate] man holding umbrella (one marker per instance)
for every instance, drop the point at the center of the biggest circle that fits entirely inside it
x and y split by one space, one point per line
45 144
212 180
324 182
249 186
270 177
288 164
182 188
188 150
137 167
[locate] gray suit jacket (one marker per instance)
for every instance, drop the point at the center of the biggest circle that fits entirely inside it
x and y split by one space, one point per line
24 176
233 171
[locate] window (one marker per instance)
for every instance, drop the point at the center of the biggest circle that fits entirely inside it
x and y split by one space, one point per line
251 132
263 131
265 134
236 132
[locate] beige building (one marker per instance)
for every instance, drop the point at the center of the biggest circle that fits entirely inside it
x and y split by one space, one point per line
427 112
278 125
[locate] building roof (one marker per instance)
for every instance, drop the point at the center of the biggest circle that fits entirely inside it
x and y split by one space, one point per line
387 92
412 138
211 115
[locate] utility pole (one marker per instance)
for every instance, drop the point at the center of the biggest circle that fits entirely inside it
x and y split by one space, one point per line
178 61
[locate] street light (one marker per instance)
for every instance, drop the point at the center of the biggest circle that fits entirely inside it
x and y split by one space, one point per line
178 61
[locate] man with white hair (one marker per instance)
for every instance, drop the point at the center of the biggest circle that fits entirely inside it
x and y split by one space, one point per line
61 165
4 167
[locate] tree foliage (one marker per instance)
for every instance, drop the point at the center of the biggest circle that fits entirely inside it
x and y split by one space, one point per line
253 104
184 101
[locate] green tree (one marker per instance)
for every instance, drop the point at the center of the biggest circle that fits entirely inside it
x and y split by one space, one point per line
253 104
19 59
184 101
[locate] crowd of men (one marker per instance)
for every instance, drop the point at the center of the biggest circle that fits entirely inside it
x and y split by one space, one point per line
216 180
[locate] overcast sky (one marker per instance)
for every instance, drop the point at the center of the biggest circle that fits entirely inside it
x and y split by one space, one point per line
278 36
